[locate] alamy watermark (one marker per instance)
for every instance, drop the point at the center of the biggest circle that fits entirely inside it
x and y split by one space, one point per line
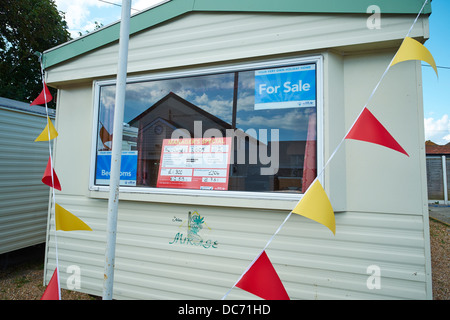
374 280
250 142
74 280
374 21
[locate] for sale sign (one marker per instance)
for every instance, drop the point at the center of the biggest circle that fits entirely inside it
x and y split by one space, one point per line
198 163
287 87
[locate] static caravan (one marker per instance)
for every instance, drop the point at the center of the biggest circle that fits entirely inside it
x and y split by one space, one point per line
232 109
23 196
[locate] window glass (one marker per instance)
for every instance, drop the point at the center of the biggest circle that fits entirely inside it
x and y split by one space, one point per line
252 130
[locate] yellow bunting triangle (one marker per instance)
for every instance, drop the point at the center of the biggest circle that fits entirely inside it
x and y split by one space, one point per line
44 134
413 50
315 205
66 221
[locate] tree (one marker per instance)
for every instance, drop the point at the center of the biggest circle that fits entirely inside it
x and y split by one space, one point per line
97 26
27 27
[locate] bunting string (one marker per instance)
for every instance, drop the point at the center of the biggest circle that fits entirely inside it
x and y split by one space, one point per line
52 175
372 94
64 220
315 190
259 278
257 257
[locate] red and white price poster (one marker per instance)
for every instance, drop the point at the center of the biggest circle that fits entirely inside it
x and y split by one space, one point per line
198 163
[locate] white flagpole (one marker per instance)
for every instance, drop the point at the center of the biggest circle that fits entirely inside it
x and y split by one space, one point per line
113 201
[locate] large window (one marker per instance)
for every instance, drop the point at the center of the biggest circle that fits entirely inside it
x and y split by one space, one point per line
249 128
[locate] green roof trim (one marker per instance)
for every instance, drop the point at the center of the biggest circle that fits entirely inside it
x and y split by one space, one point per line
175 8
313 6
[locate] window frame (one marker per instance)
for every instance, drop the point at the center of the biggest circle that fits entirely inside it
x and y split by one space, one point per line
317 59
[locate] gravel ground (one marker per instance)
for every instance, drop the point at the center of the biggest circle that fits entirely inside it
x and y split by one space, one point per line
22 280
440 259
21 277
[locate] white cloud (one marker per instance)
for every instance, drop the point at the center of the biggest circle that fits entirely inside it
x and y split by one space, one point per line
81 15
78 14
438 130
219 107
291 120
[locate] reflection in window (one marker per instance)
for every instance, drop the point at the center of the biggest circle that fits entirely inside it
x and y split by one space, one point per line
268 125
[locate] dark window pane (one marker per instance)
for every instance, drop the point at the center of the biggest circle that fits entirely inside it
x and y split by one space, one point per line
269 116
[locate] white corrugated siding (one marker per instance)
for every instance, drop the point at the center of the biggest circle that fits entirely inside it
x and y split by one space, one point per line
311 262
377 226
200 38
23 196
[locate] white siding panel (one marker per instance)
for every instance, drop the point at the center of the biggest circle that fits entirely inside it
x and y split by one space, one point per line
199 38
310 260
389 232
23 197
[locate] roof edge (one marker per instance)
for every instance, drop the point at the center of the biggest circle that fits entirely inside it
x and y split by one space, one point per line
110 33
316 6
174 8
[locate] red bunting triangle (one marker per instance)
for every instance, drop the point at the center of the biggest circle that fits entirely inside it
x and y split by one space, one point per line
42 99
368 128
263 281
52 290
47 178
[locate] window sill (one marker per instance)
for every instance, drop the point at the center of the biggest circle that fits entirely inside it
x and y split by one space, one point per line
257 200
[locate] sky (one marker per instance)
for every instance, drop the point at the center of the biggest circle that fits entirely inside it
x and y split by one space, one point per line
436 91
82 15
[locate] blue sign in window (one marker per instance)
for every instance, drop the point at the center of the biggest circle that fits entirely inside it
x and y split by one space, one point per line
287 87
128 168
